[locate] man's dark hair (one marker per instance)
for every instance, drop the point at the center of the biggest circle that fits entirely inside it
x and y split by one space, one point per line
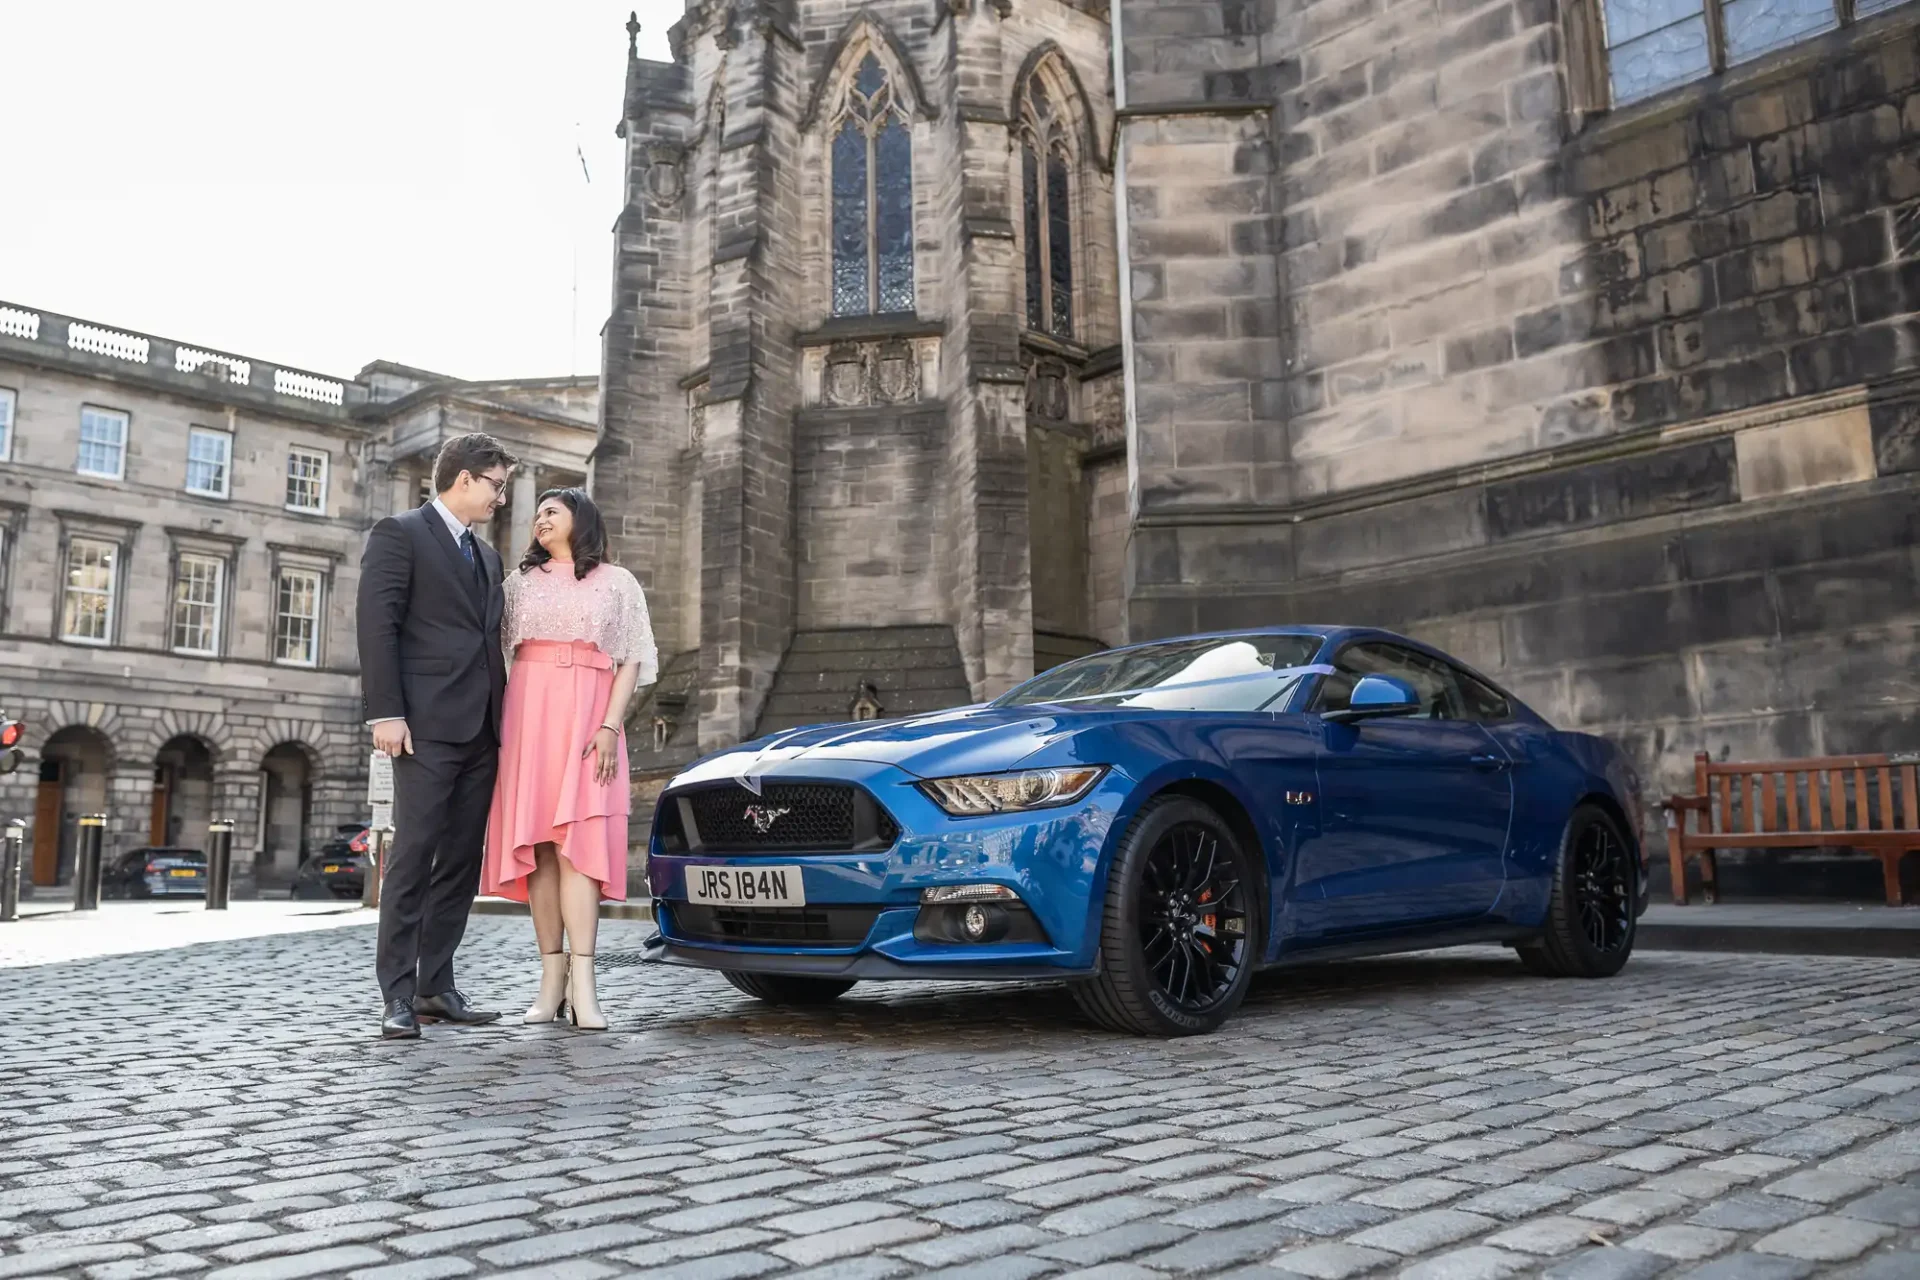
589 540
475 453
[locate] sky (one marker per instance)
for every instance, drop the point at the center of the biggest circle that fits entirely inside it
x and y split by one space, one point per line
322 185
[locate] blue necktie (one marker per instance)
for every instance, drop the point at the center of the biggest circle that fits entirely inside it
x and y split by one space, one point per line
473 557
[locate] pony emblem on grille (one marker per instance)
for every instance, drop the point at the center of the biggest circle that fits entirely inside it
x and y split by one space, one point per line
762 817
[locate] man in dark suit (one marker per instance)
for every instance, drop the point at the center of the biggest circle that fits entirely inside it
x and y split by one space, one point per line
432 679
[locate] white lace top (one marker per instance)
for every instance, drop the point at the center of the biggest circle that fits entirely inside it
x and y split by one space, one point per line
607 608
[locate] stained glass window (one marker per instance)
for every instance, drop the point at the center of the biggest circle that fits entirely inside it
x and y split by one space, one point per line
1048 190
1036 256
1059 243
1656 44
872 200
851 295
1755 27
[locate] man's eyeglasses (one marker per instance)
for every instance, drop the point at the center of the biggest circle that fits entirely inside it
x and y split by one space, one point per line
499 486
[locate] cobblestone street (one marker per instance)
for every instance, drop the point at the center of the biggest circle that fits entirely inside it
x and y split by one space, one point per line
223 1109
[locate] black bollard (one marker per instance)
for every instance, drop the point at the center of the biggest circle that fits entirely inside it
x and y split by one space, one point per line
12 852
219 864
86 863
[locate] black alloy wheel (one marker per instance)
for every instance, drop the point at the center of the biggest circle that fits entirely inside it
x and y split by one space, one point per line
1590 919
789 989
1179 934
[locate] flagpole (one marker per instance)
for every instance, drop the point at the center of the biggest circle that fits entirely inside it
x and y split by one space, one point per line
573 345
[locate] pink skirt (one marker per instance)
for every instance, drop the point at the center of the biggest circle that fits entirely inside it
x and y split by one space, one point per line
546 792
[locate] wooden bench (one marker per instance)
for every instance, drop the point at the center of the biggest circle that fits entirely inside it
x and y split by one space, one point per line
1868 803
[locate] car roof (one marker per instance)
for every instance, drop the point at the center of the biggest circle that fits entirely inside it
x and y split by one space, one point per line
1333 634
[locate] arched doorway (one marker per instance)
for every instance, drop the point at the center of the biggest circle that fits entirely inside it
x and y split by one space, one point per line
73 781
286 805
182 794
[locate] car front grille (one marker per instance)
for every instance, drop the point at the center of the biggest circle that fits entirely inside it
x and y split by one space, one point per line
789 926
819 817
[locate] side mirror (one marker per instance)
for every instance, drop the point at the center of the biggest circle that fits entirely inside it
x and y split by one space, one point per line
1375 697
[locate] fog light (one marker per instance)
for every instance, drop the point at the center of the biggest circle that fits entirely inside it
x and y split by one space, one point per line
950 893
974 923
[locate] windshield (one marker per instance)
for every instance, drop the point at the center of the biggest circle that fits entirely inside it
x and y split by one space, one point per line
1245 673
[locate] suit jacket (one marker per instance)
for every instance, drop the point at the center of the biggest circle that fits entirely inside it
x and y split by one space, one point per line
429 631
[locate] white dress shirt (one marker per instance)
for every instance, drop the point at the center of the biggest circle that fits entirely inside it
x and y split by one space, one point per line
458 528
455 525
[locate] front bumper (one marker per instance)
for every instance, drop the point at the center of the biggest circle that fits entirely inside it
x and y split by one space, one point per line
1051 858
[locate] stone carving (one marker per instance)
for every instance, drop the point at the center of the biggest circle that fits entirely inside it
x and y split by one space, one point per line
847 382
1103 404
897 375
1048 396
666 184
865 373
866 704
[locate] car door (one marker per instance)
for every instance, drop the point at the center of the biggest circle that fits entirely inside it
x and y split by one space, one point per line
1414 810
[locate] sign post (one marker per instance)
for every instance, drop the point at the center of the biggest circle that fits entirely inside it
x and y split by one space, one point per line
380 827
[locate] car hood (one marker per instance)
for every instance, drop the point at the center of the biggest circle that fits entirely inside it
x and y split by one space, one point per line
978 739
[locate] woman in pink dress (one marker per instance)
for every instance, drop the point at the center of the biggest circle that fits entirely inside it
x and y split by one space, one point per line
578 642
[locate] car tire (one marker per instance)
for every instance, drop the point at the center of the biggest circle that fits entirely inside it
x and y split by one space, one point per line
789 989
1140 958
1590 925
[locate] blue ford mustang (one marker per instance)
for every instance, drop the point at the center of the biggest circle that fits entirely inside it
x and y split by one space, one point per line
1155 823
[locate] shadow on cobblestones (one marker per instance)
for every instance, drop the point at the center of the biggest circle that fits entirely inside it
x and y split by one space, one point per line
223 1109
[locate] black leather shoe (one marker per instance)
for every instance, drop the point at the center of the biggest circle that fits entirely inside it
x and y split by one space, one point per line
399 1022
450 1006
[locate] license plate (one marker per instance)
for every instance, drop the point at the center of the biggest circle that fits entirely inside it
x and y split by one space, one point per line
746 887
330 868
186 873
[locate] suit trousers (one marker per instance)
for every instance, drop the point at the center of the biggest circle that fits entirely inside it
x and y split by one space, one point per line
441 796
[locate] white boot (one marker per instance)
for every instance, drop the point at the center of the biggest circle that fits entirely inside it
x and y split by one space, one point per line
580 995
553 988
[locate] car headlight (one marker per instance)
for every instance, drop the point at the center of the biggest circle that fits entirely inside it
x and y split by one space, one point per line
987 793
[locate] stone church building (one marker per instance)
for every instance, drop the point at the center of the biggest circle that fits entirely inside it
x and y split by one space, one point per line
1579 339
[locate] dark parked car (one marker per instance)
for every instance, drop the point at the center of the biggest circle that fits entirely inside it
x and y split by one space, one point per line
337 871
349 838
154 872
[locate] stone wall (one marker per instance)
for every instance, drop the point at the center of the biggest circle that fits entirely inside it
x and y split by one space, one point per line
1060 528
866 511
1105 479
1619 407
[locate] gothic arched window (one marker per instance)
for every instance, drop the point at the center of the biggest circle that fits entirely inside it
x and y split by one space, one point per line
872 200
1046 161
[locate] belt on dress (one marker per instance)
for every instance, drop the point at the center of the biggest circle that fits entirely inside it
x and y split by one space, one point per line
563 653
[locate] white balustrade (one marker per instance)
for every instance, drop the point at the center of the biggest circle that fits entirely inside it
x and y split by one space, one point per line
307 387
189 359
107 342
16 323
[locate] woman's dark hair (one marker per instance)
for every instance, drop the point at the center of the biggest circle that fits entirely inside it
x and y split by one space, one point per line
589 540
